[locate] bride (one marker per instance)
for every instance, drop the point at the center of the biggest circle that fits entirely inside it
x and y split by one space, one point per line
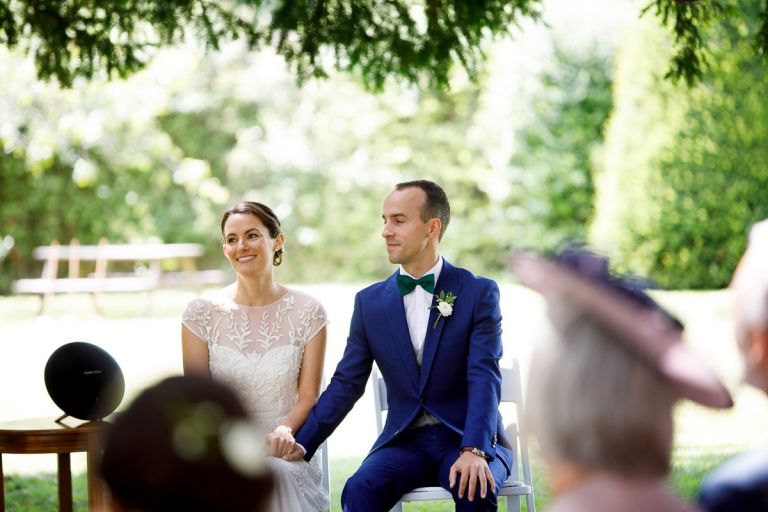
268 343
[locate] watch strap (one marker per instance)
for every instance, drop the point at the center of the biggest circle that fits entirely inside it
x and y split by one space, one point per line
475 451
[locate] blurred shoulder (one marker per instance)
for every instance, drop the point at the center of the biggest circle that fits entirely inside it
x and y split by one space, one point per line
741 483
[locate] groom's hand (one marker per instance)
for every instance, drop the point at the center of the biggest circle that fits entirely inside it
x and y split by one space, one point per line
296 454
474 472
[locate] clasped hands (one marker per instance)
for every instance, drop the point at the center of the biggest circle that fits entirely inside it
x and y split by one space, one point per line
474 475
281 444
472 470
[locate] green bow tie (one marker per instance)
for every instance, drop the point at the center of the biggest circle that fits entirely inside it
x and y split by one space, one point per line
406 284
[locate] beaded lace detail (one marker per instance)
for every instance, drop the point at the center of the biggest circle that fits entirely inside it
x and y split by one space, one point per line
257 350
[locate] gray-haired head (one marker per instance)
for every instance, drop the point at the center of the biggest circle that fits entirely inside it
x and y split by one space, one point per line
593 404
603 385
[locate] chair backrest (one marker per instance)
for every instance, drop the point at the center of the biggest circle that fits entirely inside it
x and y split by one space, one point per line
326 466
511 392
379 398
323 450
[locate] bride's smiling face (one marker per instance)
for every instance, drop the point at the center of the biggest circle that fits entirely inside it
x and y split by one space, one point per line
248 245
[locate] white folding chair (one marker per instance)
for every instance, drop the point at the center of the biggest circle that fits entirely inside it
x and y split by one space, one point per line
517 484
325 464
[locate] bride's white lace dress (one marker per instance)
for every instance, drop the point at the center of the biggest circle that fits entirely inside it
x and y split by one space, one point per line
258 352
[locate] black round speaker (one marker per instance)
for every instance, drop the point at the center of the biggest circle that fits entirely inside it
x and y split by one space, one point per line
84 380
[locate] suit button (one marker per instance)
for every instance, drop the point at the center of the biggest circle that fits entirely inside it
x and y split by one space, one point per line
421 399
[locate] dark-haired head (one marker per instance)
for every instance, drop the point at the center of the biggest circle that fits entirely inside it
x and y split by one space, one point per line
262 212
186 443
435 205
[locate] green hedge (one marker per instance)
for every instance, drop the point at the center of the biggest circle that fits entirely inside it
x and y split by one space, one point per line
552 195
686 170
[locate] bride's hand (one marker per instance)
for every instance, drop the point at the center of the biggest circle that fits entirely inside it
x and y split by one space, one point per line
281 441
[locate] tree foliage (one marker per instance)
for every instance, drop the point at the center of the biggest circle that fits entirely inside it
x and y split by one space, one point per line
410 40
81 38
689 20
416 41
685 171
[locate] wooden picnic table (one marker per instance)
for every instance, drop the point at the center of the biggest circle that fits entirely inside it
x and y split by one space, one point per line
140 278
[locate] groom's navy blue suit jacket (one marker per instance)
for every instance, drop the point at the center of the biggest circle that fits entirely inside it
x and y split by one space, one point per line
459 382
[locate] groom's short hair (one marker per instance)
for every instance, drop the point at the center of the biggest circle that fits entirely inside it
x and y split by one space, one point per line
435 205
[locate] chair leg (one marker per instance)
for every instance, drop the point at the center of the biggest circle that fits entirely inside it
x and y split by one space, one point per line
513 504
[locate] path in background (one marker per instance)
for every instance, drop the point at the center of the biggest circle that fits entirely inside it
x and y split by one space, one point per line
148 349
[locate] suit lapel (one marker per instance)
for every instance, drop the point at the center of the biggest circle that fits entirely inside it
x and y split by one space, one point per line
395 313
447 282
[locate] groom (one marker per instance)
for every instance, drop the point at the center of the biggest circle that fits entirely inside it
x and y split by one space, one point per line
439 360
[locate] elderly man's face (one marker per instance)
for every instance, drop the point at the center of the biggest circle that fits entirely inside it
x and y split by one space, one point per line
750 292
741 329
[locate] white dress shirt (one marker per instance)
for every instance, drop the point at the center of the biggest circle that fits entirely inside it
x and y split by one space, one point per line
417 304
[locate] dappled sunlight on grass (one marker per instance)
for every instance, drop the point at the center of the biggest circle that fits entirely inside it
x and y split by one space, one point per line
701 430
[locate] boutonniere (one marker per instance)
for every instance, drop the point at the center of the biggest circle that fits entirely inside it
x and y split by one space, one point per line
444 306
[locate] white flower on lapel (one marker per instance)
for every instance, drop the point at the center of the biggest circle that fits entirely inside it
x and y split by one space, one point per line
444 306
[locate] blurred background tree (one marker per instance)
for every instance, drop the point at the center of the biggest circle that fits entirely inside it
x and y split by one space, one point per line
552 199
537 147
686 169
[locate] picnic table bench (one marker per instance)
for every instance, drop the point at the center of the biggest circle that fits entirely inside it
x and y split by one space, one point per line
140 278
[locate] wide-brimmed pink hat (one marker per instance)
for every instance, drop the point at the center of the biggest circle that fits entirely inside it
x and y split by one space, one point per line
583 282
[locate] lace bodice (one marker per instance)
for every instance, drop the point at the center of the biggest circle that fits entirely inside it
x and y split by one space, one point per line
257 350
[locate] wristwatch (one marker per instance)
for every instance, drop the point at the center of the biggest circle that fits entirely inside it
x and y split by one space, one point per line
475 451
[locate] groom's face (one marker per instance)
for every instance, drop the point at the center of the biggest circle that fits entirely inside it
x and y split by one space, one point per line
406 235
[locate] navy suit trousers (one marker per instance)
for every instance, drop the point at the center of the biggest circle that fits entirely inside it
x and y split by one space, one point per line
418 457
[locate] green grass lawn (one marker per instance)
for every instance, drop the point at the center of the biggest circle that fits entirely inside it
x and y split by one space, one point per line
704 438
38 492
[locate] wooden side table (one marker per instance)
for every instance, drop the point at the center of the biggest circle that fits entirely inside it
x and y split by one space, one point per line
44 435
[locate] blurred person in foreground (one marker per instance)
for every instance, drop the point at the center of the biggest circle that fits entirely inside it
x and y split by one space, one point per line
602 387
187 444
741 484
268 343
